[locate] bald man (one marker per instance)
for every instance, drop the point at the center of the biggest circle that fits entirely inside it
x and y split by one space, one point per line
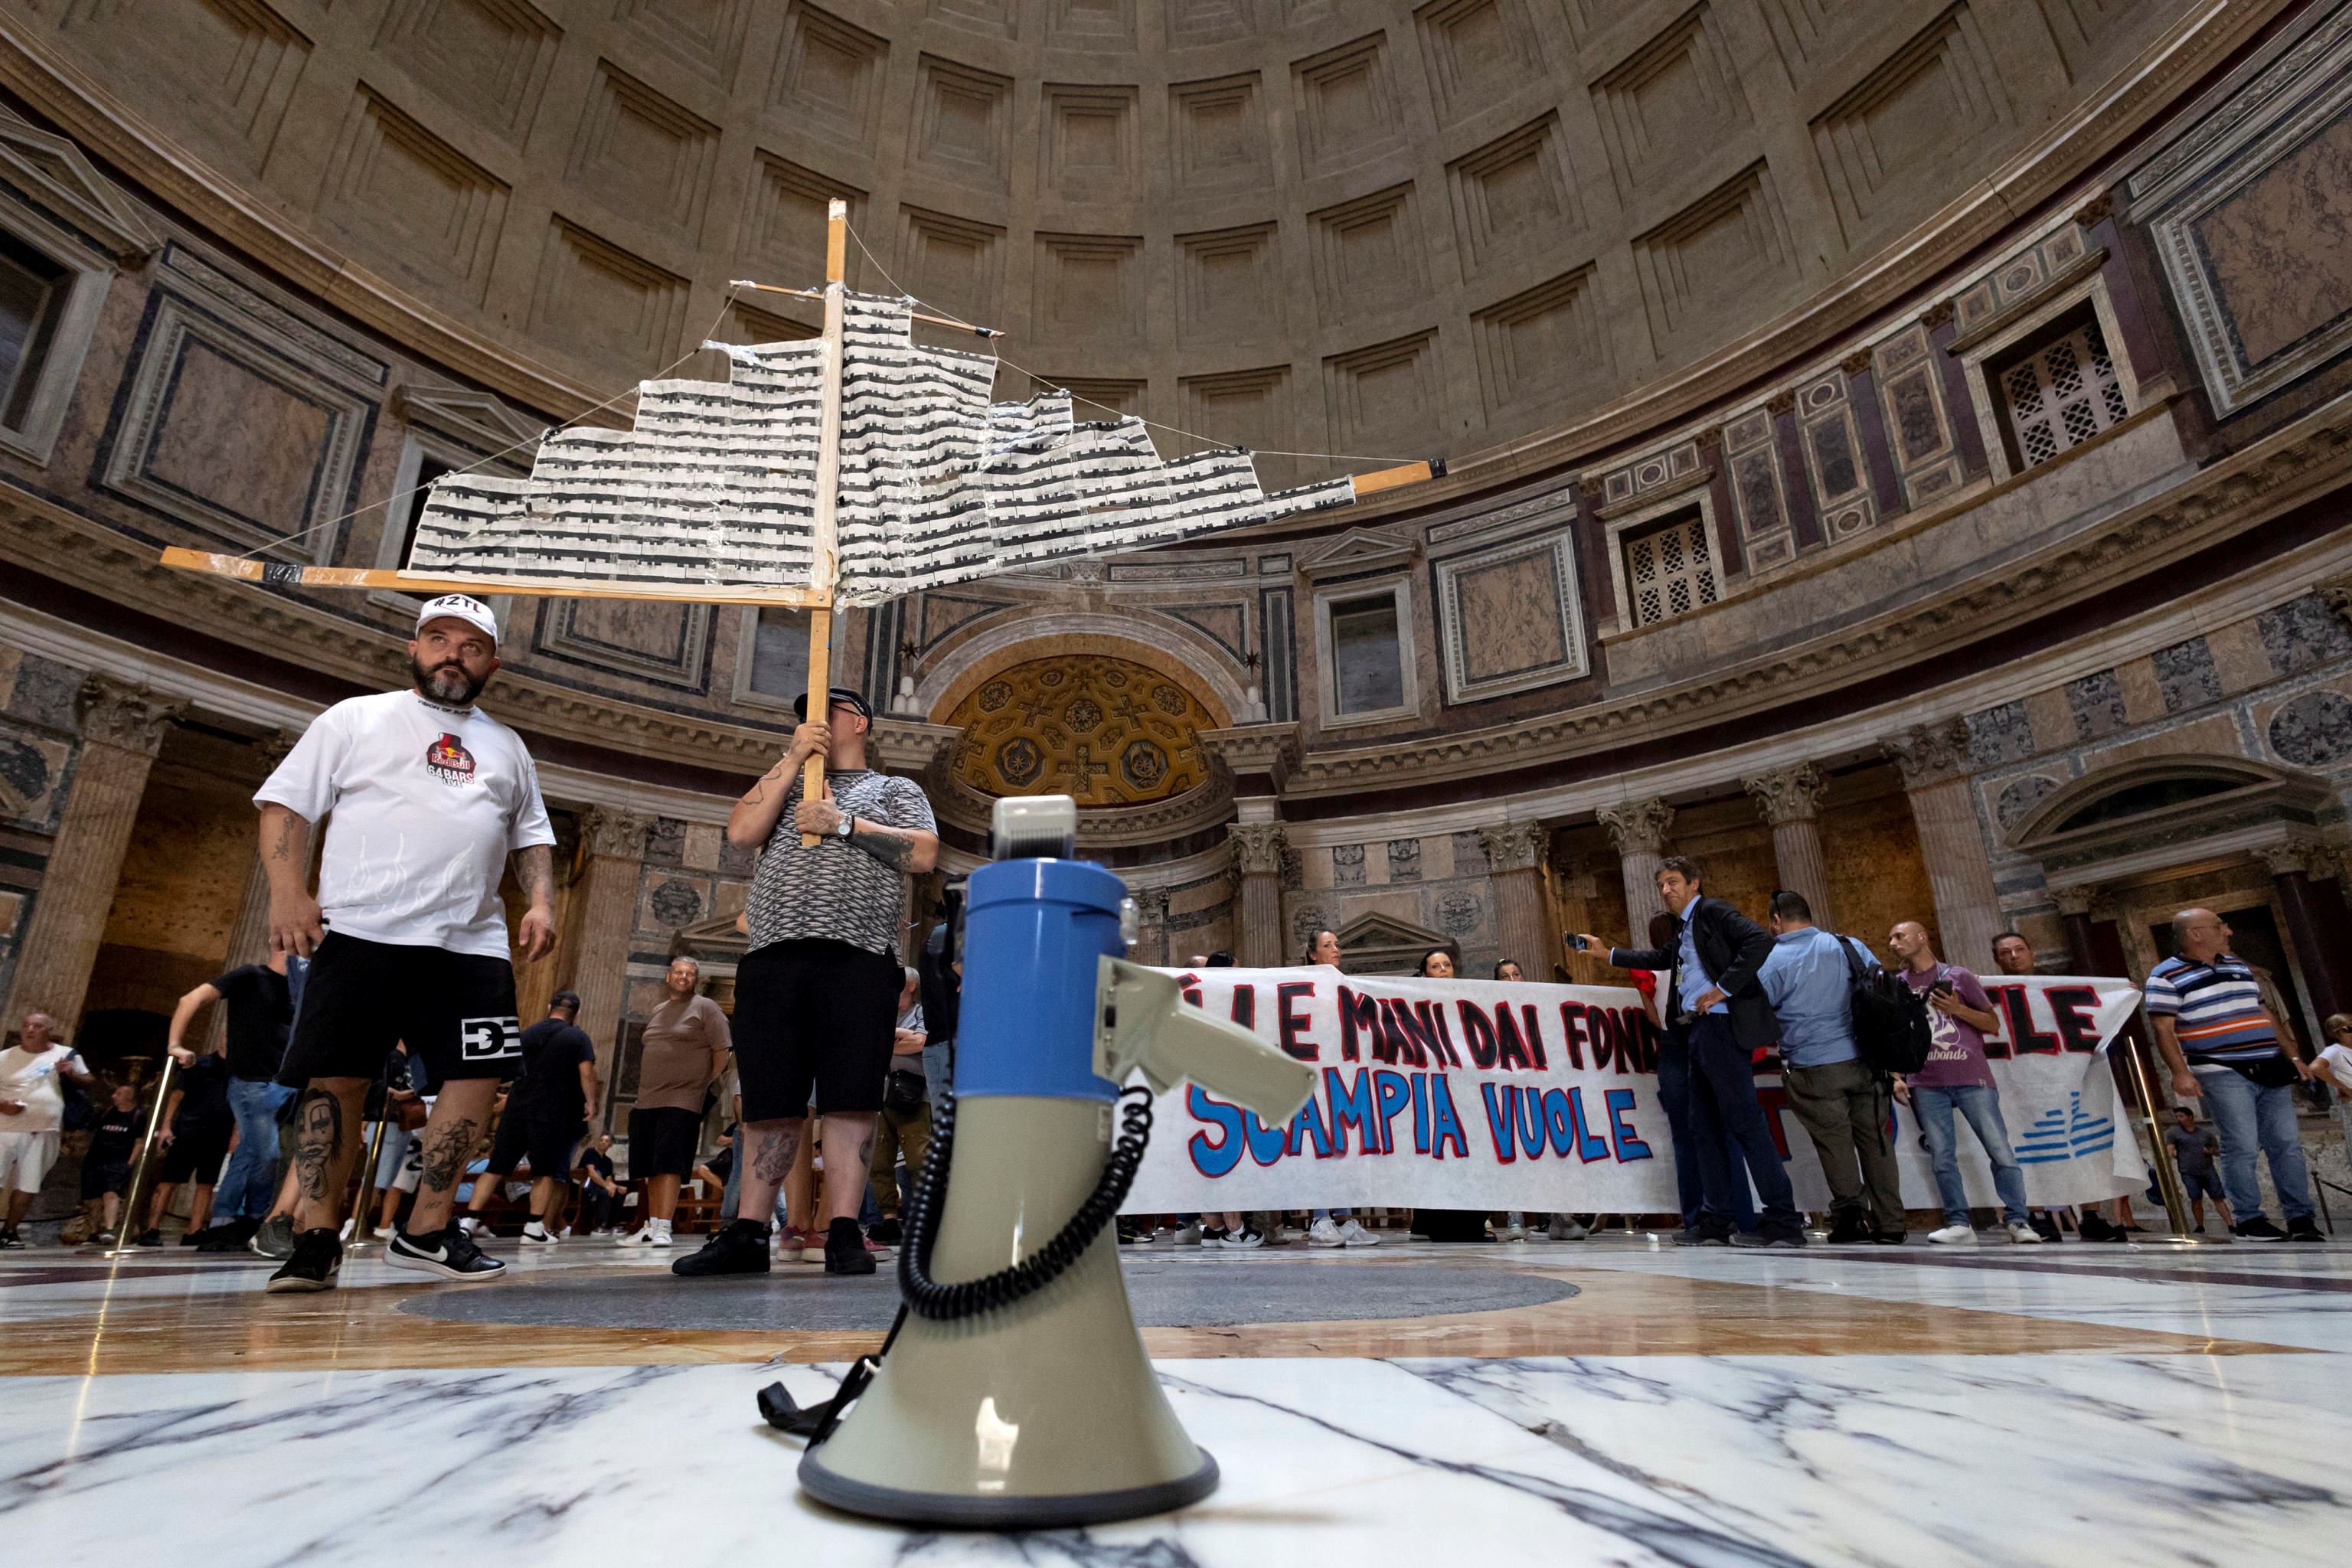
2225 1048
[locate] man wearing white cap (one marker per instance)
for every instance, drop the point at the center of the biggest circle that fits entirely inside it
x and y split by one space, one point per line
407 938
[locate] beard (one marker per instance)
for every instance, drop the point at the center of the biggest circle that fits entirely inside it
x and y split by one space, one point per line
447 683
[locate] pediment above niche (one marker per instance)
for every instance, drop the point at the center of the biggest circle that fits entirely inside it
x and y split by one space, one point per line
474 420
55 175
1359 550
1383 944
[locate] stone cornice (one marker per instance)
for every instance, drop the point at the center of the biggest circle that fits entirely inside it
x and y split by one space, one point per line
57 543
1271 751
2232 495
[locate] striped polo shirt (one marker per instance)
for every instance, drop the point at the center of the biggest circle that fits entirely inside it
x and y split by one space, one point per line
2216 1009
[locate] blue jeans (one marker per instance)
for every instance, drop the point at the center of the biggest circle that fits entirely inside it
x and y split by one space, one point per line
1673 1098
1729 1126
249 1187
2246 1115
1980 1103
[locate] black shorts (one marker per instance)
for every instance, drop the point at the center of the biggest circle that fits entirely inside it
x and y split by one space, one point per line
664 1141
814 1018
196 1157
548 1137
98 1180
456 1010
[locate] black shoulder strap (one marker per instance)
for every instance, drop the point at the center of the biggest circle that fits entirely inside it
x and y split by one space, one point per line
1852 964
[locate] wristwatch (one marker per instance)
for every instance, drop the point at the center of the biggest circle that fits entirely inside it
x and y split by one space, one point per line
847 822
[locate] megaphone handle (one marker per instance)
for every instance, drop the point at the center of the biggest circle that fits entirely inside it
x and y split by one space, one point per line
816 1422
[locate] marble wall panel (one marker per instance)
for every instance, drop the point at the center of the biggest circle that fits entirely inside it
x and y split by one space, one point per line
2187 676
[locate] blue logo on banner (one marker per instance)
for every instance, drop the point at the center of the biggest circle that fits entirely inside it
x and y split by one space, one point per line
2065 1134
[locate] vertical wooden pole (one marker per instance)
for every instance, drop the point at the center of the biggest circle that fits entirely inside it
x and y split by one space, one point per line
824 567
127 1233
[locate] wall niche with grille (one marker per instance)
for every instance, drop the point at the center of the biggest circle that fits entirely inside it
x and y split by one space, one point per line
1669 569
2057 391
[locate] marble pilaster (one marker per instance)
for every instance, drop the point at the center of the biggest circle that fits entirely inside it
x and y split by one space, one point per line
616 845
122 726
1515 855
1789 799
1933 760
1258 858
1638 828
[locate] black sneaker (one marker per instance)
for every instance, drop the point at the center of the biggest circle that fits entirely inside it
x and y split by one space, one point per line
845 1249
2045 1224
318 1259
2098 1228
739 1247
1849 1230
2303 1230
447 1252
1788 1236
2258 1228
1889 1237
1740 1238
151 1237
887 1232
10 1241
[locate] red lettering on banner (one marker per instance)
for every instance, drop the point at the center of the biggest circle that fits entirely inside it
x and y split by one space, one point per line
1572 1024
1357 1011
2023 1038
1244 1011
1405 1031
1477 1034
1534 1036
1605 1037
2073 1006
1189 986
1292 1026
1512 1051
1433 1022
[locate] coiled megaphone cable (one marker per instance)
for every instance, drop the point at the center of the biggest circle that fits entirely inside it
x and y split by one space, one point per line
927 1298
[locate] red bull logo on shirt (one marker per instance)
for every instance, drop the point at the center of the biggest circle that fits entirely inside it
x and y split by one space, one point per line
449 762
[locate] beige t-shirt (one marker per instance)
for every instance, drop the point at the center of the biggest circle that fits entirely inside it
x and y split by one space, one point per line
681 1040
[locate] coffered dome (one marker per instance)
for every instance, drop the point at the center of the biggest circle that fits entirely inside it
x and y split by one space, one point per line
1350 226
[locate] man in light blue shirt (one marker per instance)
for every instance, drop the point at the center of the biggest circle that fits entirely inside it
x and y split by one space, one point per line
1843 1103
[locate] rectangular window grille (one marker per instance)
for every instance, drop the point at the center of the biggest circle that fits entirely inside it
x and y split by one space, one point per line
1368 656
779 658
1669 571
32 294
2062 394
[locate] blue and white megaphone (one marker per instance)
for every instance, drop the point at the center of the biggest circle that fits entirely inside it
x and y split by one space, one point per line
1014 1393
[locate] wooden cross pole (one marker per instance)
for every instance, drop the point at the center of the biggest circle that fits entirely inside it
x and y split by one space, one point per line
824 566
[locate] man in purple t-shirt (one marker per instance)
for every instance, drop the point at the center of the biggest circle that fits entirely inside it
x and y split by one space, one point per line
1957 1076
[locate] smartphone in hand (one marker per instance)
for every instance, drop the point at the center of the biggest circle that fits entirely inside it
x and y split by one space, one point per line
1577 943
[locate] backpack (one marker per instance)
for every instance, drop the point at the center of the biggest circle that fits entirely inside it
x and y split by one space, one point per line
1890 1019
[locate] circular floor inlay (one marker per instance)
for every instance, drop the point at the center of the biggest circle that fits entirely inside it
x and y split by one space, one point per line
1167 1293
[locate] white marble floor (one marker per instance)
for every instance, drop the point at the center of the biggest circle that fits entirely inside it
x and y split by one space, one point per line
1709 1462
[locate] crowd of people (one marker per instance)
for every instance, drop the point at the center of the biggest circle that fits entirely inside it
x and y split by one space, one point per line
388 1001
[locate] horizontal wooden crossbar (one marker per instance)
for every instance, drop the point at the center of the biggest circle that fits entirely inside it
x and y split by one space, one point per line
283 572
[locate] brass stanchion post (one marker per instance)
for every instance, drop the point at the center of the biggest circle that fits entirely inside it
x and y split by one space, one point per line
2168 1174
362 1224
127 1238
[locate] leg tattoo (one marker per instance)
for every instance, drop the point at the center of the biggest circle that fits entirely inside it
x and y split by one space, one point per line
318 1134
772 1156
446 1144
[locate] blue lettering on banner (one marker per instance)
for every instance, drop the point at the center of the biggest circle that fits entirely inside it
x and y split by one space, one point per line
1446 1122
1531 1121
1218 1157
1629 1146
1420 1113
1391 1091
1307 1127
1589 1145
1556 1124
1267 1144
1352 1107
1498 1122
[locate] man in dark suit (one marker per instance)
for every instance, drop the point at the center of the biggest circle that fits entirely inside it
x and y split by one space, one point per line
1712 1002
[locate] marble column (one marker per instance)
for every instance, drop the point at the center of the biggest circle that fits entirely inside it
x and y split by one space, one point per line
248 933
2075 910
1257 856
1638 828
616 843
1515 855
2315 929
1934 758
122 726
1790 802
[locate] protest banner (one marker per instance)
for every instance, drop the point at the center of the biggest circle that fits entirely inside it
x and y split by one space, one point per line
1470 1094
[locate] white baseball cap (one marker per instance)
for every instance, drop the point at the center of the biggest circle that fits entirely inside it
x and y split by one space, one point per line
460 606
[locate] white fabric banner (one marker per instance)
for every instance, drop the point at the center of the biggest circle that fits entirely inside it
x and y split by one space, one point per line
1472 1094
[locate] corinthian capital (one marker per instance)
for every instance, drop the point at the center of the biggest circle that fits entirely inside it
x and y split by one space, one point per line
2337 594
1637 826
620 834
1789 794
1515 846
1930 753
121 713
1258 846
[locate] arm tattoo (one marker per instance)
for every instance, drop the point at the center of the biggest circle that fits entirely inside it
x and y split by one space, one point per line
282 848
446 1144
318 1131
771 1155
535 868
887 844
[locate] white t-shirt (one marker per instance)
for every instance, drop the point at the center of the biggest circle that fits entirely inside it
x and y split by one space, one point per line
2336 1063
31 1078
429 802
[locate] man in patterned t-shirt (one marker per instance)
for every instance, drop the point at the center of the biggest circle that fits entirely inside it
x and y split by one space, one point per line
816 997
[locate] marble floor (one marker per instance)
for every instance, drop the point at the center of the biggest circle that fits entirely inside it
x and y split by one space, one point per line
1641 1405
